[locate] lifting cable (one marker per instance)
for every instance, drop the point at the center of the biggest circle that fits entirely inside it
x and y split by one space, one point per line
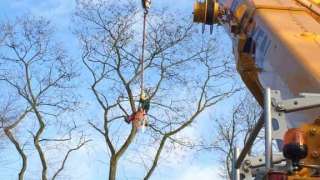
146 6
144 103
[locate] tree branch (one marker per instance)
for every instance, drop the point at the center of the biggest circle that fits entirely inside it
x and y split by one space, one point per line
56 174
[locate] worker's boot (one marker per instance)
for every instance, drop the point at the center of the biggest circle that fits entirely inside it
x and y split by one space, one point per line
126 119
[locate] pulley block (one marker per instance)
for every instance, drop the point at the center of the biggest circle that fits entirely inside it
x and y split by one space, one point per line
206 12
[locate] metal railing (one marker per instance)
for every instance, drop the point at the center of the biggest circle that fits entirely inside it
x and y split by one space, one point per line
306 101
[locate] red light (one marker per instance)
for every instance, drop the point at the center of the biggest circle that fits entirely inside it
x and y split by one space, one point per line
295 147
294 136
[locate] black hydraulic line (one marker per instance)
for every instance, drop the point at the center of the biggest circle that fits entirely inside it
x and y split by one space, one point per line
250 141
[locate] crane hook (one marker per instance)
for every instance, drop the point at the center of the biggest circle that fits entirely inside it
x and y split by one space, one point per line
146 4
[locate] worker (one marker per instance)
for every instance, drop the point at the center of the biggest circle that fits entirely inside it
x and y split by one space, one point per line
139 117
145 101
136 116
141 120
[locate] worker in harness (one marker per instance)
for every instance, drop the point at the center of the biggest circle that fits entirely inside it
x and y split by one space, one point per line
144 106
139 117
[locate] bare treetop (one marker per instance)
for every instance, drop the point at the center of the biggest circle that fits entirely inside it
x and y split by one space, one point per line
37 72
30 51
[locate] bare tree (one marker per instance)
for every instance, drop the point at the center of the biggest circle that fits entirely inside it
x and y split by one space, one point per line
36 70
3 32
184 74
5 108
234 130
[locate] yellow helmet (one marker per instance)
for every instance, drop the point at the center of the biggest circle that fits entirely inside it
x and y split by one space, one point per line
144 95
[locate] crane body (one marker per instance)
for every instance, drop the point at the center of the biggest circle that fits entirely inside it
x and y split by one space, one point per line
277 49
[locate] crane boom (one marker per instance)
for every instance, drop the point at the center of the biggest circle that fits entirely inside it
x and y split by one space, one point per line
277 47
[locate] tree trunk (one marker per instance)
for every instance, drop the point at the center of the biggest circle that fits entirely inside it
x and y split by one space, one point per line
113 168
36 142
20 151
156 159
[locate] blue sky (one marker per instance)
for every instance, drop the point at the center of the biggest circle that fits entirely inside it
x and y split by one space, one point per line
188 165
